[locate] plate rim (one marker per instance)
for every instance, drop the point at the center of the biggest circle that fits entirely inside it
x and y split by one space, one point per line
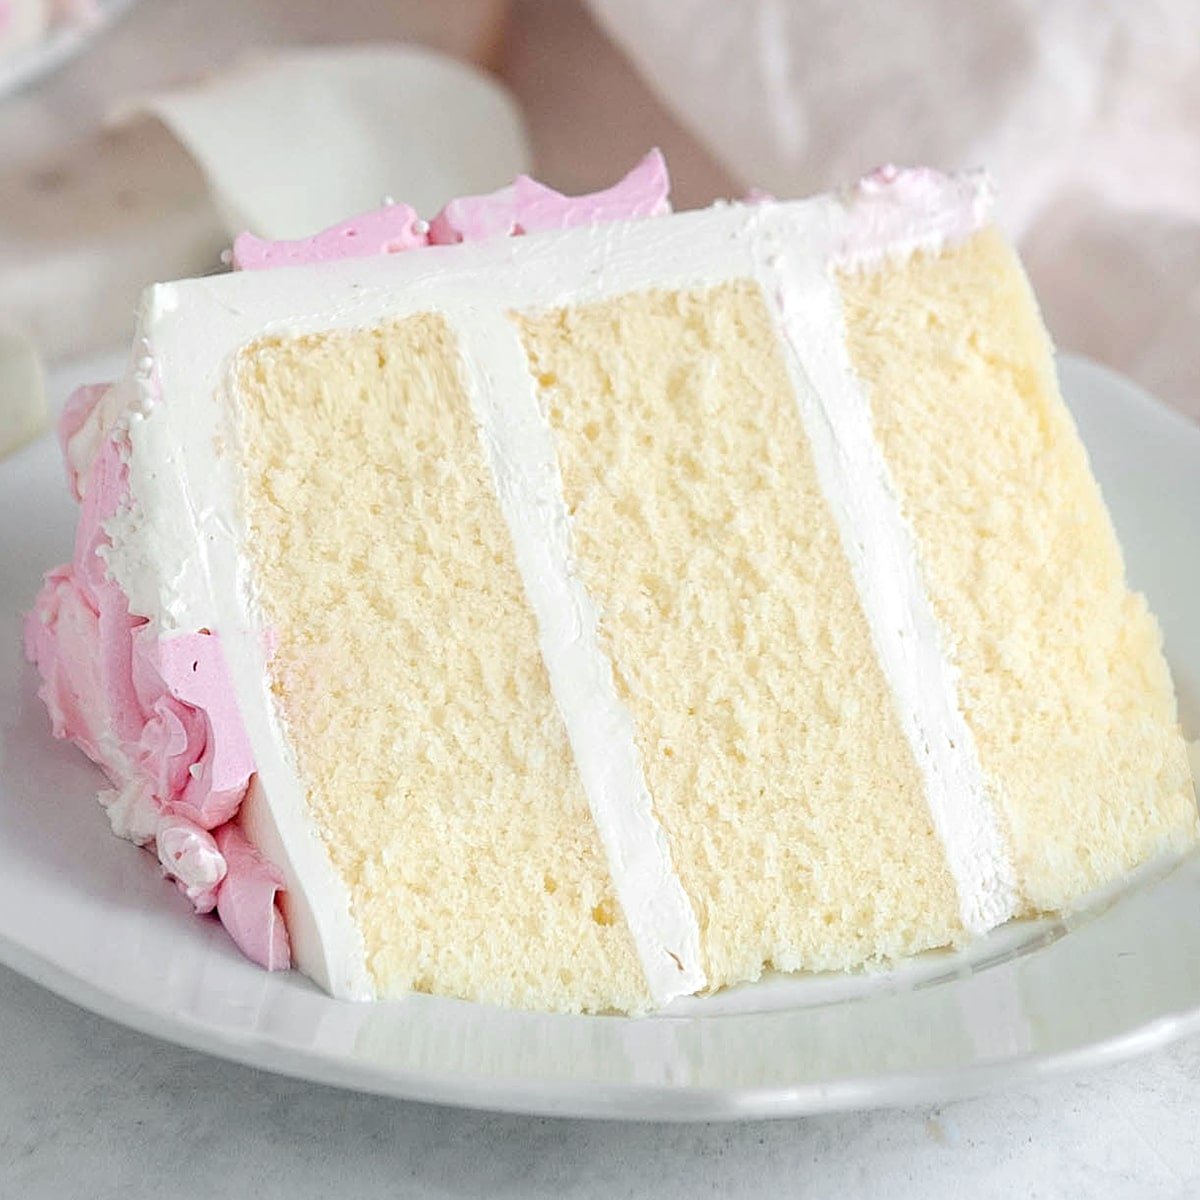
607 1102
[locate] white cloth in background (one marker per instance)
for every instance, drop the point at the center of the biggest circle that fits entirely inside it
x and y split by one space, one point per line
1087 114
298 139
287 141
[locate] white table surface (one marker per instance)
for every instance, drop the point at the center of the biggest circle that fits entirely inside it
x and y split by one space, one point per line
88 1109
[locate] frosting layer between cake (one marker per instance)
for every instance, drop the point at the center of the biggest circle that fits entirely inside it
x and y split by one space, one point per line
913 650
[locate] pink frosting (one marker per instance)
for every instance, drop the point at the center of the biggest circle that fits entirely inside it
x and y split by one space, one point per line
250 890
898 208
80 634
387 230
193 670
157 712
190 856
525 206
79 407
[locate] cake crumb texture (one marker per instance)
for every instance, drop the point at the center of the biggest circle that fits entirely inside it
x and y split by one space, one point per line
777 764
408 674
1063 681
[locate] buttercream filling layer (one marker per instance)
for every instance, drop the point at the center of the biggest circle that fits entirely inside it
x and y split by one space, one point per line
797 276
520 450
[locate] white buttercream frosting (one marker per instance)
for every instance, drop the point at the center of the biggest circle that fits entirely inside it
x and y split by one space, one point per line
912 649
131 811
178 552
190 855
519 444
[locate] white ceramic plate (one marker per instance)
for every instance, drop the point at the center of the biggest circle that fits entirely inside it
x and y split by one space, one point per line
88 916
61 43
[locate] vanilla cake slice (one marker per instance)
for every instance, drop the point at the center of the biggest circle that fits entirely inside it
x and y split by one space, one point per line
584 619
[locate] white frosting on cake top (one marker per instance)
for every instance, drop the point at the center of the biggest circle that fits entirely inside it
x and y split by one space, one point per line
895 211
179 555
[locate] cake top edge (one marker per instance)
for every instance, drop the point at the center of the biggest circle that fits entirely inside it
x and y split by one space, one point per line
528 247
896 209
525 206
888 210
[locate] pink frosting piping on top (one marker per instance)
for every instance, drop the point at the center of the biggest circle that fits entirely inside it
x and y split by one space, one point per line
158 713
387 230
893 209
525 206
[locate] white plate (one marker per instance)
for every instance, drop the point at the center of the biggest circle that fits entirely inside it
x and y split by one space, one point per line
88 916
62 42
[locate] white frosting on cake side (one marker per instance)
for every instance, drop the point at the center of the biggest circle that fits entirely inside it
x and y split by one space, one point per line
178 552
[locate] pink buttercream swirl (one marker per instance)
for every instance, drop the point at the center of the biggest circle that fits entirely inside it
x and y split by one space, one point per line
525 206
157 711
387 230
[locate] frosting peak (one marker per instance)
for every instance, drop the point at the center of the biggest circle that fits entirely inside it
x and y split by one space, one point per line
526 206
387 230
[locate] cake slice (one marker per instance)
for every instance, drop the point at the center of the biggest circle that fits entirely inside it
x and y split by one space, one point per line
588 618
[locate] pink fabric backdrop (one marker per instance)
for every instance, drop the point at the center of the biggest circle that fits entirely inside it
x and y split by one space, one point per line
1088 115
